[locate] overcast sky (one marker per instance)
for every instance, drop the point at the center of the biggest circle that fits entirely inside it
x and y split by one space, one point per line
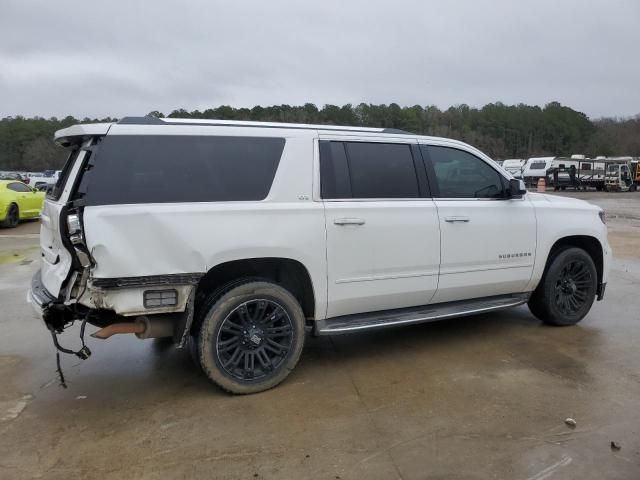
88 58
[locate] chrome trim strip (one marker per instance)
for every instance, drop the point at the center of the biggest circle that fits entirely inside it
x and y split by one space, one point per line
387 277
506 266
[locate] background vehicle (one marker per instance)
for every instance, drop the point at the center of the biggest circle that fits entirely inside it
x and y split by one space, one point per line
514 166
577 172
18 202
621 176
49 177
536 168
235 237
13 176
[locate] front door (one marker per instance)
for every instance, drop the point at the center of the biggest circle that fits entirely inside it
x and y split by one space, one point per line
383 236
488 240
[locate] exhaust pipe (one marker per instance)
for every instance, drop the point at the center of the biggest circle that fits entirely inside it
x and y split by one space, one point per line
143 327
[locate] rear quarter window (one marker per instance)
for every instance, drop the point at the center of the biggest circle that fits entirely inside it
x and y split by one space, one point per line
56 191
132 169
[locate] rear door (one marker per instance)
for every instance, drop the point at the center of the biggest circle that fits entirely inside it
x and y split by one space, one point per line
383 239
488 240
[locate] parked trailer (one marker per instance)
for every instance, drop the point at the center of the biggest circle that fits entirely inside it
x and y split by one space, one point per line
536 168
577 173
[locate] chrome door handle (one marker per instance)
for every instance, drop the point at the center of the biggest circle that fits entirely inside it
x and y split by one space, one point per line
456 219
349 221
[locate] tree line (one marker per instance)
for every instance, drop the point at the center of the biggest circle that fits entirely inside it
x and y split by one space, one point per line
502 131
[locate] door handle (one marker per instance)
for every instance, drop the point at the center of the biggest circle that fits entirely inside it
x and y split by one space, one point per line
456 219
349 221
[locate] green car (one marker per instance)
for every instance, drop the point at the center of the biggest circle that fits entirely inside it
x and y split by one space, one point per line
18 201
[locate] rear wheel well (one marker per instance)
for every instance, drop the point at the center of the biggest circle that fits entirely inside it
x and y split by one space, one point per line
591 245
287 273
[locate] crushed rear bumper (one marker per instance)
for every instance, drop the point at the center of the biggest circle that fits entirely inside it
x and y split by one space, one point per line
46 307
38 296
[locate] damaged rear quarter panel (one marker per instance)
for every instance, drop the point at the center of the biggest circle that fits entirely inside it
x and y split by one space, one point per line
130 301
162 239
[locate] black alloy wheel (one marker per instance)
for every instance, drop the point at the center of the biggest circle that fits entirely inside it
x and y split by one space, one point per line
13 217
567 288
249 335
254 339
572 287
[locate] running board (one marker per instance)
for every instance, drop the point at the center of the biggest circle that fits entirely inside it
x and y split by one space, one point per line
409 316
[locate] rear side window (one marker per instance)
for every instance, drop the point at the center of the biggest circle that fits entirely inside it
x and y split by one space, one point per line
57 190
459 174
367 170
334 171
382 170
165 169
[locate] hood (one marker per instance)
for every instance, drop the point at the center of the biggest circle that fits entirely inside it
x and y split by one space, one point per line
562 201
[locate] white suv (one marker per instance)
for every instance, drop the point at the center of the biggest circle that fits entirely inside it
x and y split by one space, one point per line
236 237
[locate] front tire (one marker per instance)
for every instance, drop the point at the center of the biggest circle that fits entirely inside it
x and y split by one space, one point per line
251 337
12 218
567 289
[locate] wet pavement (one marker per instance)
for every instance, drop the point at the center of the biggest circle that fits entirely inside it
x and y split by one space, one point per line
473 398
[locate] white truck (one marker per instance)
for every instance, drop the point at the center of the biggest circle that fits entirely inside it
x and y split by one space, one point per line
514 166
237 237
39 180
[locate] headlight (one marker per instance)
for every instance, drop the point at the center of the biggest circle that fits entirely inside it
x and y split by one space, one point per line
602 216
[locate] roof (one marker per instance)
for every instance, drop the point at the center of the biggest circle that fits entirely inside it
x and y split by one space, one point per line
75 133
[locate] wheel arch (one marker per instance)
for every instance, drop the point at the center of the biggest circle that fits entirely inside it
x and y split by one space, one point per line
588 243
286 272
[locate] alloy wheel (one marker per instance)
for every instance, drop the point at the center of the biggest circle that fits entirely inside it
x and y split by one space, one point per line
254 339
572 287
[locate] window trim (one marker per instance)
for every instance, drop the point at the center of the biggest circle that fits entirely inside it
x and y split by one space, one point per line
431 174
424 192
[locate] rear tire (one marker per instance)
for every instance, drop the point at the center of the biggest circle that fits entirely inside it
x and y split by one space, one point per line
12 218
567 289
251 337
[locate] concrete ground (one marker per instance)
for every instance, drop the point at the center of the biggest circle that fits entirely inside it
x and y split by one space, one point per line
473 398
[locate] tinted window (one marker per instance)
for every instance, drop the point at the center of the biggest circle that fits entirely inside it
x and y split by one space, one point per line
64 175
381 170
19 187
586 166
334 171
459 174
163 169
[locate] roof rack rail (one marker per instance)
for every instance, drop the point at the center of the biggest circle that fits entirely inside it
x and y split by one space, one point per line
237 123
140 121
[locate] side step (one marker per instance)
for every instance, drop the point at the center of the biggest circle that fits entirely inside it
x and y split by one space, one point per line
409 316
